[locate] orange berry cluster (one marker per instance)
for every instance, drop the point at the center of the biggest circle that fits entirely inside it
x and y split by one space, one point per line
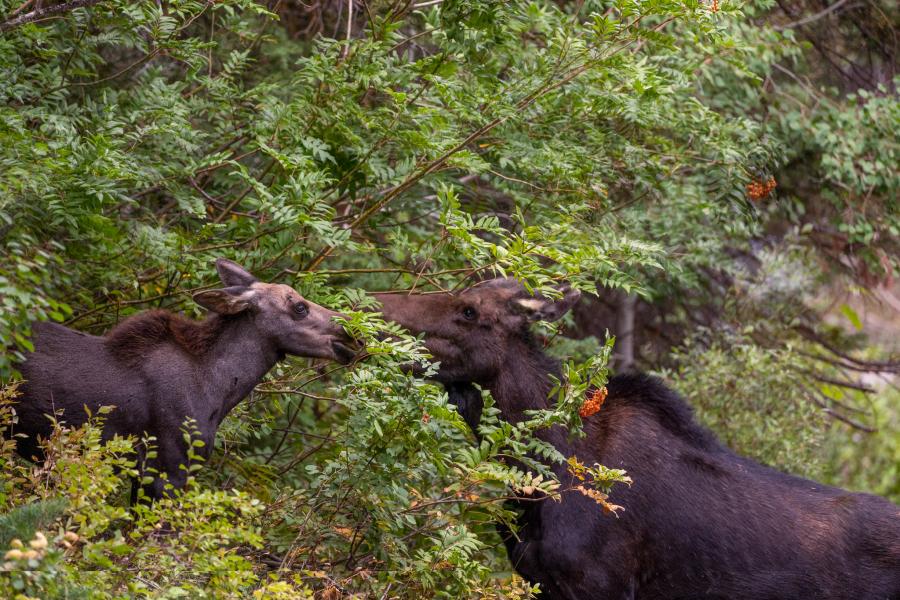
715 6
758 190
593 404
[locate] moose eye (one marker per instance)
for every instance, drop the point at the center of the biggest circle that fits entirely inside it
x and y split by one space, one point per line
469 313
301 309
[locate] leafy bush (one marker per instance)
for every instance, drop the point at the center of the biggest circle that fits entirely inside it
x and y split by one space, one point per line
758 407
869 462
68 531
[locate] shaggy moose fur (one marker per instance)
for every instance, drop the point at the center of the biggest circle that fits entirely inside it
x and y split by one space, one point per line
134 337
699 521
158 369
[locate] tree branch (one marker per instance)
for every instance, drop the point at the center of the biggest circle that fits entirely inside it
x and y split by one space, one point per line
439 162
823 13
36 15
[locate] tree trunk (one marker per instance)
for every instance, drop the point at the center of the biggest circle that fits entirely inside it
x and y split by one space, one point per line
625 333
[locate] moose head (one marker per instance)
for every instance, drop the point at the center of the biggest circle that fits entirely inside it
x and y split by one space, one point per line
479 333
292 324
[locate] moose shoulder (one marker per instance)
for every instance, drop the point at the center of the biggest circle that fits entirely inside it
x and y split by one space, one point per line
699 520
158 369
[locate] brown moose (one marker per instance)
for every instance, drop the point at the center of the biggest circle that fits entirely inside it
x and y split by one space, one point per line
700 522
158 368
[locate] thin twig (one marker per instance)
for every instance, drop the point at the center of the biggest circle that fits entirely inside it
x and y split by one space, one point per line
150 56
836 415
233 204
22 7
410 38
822 13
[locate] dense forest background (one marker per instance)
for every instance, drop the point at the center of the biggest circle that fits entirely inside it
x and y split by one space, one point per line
719 176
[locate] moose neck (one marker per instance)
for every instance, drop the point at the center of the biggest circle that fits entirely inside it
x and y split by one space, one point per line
236 363
524 384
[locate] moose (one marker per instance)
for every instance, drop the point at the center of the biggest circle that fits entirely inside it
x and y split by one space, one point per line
699 520
158 369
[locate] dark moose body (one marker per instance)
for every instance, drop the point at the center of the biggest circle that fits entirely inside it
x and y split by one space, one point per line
158 369
700 522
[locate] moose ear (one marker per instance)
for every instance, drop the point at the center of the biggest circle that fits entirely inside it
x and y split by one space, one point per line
547 309
233 274
229 301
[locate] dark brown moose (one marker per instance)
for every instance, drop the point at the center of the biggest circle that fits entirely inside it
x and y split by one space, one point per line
699 520
158 368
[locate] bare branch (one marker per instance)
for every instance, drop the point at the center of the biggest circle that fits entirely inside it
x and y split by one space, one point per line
36 15
22 7
346 49
815 17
